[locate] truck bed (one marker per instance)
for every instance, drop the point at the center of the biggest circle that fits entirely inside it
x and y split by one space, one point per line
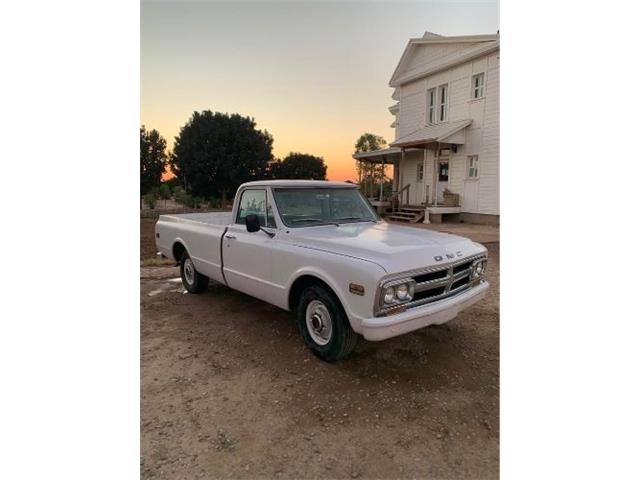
207 218
200 233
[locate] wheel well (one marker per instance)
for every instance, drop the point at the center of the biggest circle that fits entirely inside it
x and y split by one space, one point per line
299 286
178 250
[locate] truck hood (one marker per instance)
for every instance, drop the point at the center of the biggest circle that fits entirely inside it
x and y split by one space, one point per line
394 247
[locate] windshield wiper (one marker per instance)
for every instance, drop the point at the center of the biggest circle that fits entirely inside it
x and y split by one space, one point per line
305 220
354 218
316 221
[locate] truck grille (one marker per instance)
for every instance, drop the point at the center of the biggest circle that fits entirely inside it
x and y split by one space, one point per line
438 283
442 282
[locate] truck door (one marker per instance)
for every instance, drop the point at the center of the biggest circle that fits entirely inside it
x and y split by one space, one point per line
246 256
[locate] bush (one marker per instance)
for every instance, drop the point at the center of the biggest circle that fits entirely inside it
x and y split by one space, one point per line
177 192
151 199
185 199
215 202
180 196
164 192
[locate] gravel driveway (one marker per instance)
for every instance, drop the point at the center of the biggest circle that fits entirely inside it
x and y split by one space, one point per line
228 390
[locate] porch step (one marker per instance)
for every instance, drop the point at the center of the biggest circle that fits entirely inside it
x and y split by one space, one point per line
405 214
400 219
411 216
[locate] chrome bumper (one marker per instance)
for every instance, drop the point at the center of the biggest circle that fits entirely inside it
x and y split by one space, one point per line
381 328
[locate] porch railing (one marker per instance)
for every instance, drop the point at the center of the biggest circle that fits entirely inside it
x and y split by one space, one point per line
398 197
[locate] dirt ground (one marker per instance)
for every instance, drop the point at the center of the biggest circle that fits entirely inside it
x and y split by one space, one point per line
147 240
228 390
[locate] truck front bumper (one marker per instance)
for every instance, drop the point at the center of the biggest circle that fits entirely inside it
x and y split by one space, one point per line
381 328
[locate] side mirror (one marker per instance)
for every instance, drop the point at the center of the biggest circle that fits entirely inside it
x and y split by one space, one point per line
252 223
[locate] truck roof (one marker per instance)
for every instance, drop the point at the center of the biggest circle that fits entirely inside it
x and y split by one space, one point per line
297 183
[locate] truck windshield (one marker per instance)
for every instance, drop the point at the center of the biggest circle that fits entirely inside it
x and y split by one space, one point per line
301 207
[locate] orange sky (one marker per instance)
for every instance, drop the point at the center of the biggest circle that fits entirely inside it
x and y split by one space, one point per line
311 74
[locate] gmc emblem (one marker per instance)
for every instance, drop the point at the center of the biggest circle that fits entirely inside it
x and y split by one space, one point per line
450 256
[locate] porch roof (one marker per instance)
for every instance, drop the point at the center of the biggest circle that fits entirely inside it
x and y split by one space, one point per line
432 133
389 155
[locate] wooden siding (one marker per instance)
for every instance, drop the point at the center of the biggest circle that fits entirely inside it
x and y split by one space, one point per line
426 54
409 175
482 138
489 188
412 109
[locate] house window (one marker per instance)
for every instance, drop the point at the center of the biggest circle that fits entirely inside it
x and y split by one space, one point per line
420 172
431 105
477 82
472 166
442 102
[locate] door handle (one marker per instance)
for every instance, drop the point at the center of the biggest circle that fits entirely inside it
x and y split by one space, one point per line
229 236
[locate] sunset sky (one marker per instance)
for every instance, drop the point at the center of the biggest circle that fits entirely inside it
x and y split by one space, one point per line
314 74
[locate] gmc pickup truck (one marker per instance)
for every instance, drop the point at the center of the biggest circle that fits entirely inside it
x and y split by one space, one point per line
318 249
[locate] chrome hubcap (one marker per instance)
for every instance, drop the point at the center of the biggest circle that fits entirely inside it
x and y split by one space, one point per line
319 322
189 271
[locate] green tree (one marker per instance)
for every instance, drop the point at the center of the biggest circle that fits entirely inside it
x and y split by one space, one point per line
370 174
299 166
172 182
369 142
215 152
153 159
164 192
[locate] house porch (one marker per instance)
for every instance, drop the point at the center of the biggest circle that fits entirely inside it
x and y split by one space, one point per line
421 161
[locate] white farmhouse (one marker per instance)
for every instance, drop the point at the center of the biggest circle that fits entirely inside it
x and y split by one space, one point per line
447 130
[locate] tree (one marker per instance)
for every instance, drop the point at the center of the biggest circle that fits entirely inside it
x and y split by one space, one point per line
300 166
164 192
369 174
153 159
172 182
215 152
369 142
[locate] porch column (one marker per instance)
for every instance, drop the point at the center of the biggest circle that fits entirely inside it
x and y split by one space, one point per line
424 175
401 173
382 179
396 175
436 165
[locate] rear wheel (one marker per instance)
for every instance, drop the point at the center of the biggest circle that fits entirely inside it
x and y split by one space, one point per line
193 281
324 326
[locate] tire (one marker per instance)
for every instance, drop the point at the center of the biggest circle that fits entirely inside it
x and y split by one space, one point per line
193 281
329 334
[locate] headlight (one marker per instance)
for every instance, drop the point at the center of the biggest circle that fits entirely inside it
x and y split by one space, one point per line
479 268
402 291
389 295
398 292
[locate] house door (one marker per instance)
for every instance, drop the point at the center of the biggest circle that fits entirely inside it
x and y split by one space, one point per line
470 192
443 173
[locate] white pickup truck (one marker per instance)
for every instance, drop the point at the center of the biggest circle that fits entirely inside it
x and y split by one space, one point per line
320 250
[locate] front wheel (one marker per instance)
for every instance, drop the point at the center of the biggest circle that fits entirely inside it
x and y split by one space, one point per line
324 326
193 281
